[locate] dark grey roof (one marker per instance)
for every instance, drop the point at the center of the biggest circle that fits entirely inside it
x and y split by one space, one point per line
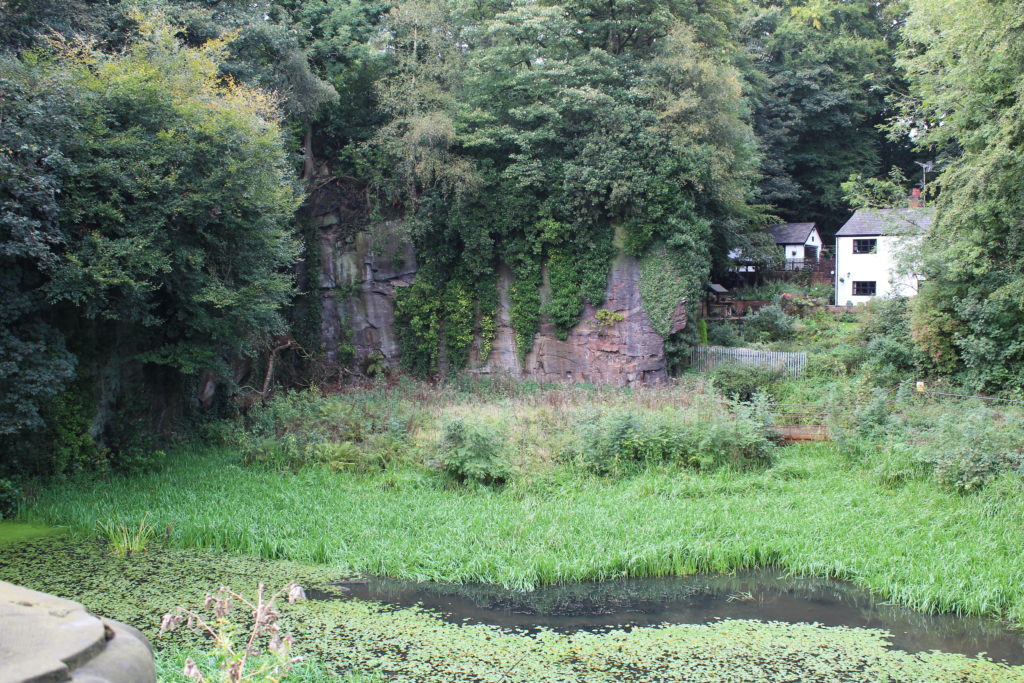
791 233
888 222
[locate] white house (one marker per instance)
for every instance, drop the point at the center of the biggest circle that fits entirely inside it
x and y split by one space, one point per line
873 253
799 242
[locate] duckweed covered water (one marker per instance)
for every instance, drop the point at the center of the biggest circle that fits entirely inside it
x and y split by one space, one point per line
763 594
343 637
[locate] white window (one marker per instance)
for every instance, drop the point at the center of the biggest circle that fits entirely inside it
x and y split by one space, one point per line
864 288
865 246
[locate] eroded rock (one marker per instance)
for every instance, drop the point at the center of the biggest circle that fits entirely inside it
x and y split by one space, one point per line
627 351
359 275
46 638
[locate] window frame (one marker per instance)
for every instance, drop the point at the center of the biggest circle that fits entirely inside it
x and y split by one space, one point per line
873 283
872 250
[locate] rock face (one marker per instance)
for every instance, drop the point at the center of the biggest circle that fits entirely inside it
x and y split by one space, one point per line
358 277
357 283
617 351
45 638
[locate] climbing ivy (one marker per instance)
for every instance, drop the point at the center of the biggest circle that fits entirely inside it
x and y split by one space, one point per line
487 301
576 274
663 284
565 302
431 313
458 312
524 304
418 325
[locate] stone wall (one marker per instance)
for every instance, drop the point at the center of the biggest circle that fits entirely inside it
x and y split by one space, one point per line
358 276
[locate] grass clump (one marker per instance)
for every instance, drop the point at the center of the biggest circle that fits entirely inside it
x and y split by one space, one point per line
124 538
615 442
475 451
924 546
305 428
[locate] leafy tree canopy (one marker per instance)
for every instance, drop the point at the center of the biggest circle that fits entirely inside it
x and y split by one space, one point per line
144 190
964 61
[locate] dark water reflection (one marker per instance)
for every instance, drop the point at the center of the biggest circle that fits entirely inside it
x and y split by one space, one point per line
700 599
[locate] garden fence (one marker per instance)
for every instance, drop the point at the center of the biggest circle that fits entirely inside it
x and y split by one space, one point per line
707 358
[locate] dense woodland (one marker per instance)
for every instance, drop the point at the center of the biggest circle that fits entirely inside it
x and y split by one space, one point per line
157 161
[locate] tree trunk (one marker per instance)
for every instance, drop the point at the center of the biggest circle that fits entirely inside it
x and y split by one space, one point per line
307 151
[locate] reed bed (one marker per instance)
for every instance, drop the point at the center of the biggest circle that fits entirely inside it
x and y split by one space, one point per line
812 513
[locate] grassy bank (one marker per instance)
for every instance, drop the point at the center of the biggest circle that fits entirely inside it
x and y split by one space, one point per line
812 512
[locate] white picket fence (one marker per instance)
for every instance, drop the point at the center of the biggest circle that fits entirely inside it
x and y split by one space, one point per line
707 358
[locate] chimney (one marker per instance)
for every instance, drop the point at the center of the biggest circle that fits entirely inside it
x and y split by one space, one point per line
916 200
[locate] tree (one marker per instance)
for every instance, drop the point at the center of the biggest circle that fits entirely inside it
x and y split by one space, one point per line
532 133
964 61
154 224
821 73
37 112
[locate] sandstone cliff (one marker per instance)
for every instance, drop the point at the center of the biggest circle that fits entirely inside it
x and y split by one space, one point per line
358 279
627 351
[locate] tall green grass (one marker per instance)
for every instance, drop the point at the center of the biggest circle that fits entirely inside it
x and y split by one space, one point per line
812 513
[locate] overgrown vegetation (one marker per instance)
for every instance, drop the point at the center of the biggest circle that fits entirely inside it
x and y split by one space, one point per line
625 441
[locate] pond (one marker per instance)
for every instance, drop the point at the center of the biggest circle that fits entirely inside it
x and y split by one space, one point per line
763 594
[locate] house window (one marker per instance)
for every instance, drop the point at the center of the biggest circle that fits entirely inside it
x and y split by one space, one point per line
865 246
864 288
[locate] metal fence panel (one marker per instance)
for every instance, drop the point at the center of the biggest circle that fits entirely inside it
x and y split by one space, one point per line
707 358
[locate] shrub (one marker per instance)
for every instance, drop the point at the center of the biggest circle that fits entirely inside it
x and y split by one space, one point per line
890 355
901 464
344 432
622 441
769 324
876 414
473 451
965 447
970 469
723 334
970 448
852 356
10 496
825 365
741 382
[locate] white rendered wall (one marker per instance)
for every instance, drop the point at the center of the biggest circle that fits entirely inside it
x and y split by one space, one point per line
879 267
796 251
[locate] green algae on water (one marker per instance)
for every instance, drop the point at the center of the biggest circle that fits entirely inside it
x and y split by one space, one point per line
17 532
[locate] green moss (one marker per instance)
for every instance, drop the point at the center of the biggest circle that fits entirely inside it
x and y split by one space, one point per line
17 532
